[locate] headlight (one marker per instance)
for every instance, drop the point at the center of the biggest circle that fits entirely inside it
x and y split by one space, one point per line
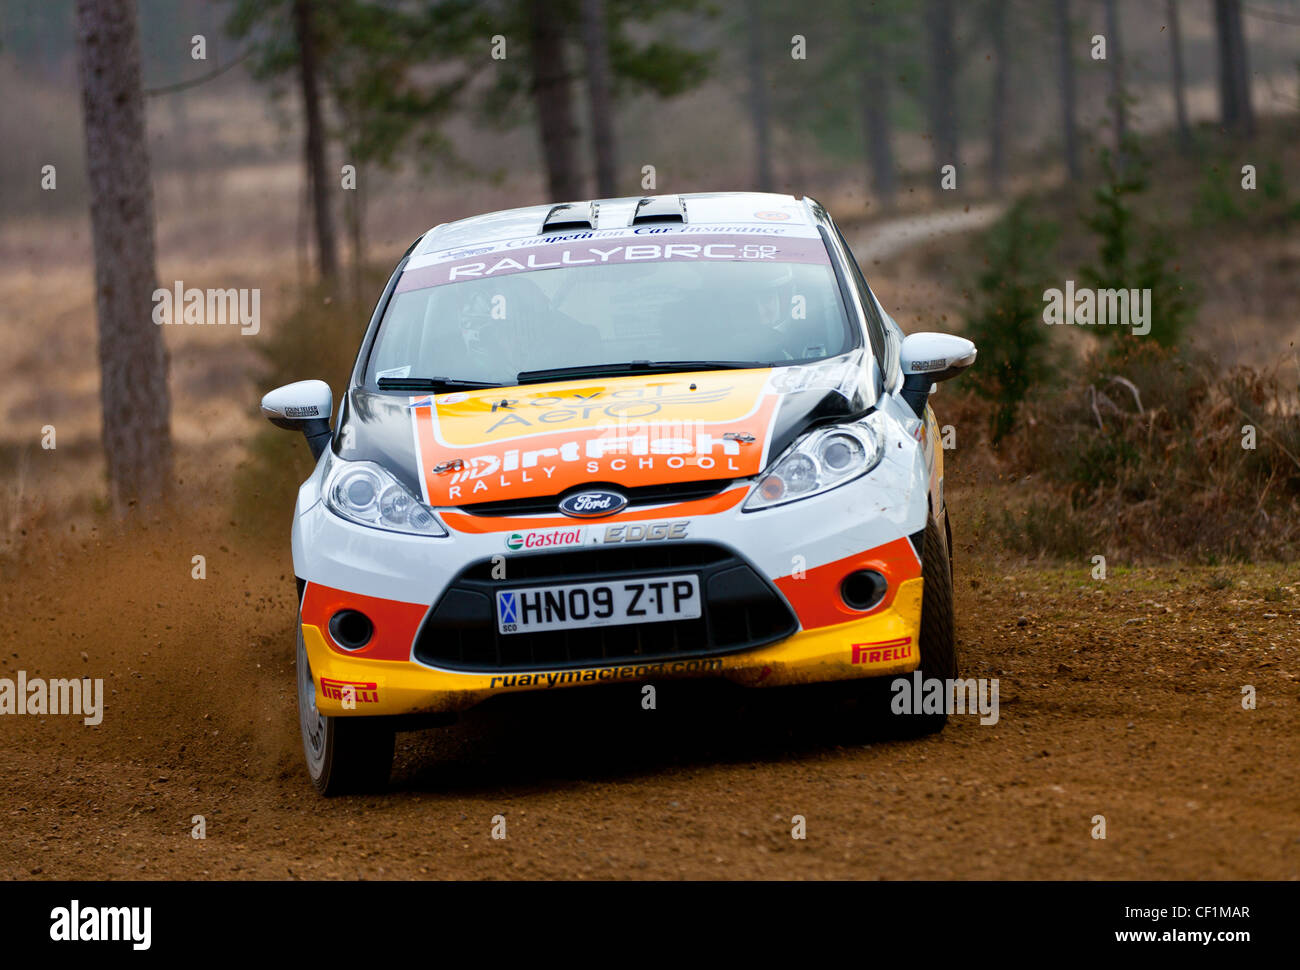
363 492
819 461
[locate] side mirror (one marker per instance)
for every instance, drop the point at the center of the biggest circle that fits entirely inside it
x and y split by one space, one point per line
928 358
302 406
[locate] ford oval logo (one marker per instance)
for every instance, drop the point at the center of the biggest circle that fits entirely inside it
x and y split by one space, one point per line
591 505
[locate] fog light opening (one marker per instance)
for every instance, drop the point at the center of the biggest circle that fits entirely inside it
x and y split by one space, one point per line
863 590
351 630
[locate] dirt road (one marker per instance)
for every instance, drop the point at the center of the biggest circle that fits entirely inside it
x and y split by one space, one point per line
1119 698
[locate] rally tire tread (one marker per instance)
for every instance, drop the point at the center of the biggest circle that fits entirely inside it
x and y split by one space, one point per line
938 636
359 756
357 752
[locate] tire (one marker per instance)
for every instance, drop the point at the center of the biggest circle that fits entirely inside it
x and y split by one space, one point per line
872 715
345 755
938 638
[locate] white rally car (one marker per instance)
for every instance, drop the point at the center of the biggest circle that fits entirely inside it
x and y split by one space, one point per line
623 440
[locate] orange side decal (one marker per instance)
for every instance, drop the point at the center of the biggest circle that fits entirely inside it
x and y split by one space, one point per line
395 622
816 596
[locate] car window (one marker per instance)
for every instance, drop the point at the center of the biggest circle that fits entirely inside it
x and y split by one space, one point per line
774 301
894 344
875 326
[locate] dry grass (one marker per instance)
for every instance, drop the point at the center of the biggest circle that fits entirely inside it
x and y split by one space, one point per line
1145 458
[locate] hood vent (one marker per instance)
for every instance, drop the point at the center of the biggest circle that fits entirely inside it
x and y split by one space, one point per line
660 208
571 215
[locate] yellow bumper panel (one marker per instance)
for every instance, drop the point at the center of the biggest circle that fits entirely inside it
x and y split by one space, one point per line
879 645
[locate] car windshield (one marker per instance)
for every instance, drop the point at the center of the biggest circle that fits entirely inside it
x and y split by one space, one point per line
610 305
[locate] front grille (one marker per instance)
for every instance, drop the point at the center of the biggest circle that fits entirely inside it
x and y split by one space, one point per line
741 611
640 495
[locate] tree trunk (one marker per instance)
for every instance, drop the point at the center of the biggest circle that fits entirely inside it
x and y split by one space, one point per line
136 404
942 97
553 99
1180 95
878 133
356 220
759 114
1115 60
1234 71
877 129
998 119
318 179
1065 60
596 42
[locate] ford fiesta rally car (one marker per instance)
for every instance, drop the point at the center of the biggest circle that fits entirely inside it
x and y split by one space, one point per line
624 440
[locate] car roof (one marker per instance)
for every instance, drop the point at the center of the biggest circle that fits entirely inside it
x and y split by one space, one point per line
707 208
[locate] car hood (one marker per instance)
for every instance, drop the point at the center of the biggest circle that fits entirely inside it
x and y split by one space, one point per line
507 443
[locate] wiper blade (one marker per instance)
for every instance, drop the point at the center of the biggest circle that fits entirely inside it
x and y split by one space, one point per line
430 384
633 367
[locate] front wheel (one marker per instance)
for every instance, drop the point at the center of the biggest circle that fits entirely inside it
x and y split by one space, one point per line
874 711
345 755
938 640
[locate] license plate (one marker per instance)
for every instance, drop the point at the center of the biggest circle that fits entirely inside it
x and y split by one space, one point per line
652 600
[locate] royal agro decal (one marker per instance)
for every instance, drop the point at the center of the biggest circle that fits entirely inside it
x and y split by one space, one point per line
643 532
465 419
886 651
544 539
510 417
358 692
82 698
600 251
593 504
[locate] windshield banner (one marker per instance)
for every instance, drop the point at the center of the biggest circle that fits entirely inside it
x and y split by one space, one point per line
619 249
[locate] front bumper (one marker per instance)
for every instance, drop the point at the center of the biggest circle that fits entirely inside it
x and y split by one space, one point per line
801 552
881 644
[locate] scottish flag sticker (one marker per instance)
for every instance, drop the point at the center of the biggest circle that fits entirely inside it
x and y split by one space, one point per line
506 604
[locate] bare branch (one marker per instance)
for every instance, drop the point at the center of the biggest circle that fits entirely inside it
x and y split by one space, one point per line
182 85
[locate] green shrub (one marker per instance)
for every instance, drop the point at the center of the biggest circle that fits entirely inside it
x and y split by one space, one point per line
1006 319
1216 199
1132 255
